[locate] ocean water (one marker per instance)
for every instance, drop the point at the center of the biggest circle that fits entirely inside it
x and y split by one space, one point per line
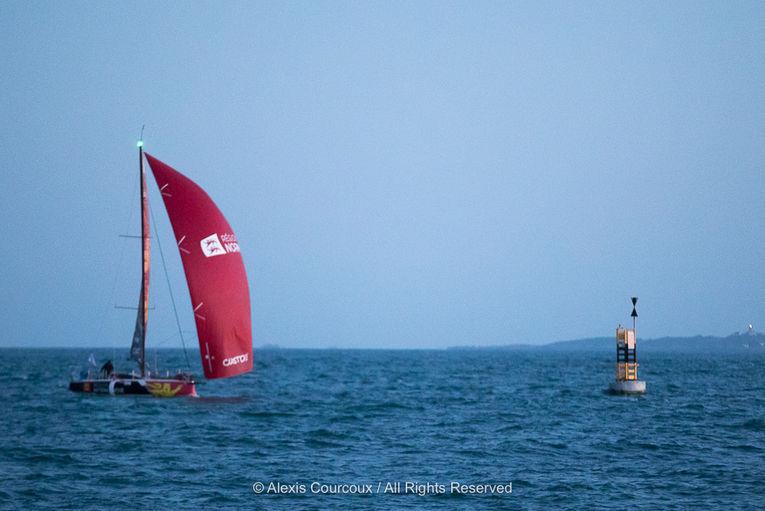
308 418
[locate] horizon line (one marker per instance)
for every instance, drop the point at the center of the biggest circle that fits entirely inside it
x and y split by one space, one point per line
274 346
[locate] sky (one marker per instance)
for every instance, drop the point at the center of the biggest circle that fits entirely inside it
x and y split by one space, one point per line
398 174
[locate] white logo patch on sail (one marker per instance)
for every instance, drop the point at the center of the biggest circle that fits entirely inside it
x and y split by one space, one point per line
212 246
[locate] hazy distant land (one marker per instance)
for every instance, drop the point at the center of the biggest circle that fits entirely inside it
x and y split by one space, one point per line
748 342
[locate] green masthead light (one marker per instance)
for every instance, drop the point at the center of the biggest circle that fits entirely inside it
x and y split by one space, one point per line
139 144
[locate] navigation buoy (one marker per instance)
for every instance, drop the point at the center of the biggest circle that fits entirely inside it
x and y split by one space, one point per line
626 381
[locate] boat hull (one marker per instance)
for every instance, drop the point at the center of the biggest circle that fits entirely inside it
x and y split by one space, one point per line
157 387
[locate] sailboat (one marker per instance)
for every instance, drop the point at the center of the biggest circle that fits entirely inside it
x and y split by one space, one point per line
217 283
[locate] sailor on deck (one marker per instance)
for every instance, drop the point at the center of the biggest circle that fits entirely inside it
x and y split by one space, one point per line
107 369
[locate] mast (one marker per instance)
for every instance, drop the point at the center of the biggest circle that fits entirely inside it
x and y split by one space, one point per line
145 256
138 348
144 259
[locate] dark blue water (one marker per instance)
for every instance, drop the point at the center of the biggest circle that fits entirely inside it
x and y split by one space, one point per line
539 420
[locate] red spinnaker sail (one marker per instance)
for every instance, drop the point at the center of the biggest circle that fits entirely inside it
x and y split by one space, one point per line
214 272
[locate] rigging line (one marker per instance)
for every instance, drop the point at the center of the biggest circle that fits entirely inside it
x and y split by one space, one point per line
117 273
163 342
169 287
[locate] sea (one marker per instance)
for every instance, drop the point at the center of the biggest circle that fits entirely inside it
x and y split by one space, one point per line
389 429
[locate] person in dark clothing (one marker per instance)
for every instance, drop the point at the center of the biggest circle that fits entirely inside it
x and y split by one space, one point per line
107 369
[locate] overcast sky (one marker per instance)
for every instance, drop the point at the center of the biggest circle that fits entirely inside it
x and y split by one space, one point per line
399 174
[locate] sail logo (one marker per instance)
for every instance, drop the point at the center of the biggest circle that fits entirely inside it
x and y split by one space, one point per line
239 359
212 246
